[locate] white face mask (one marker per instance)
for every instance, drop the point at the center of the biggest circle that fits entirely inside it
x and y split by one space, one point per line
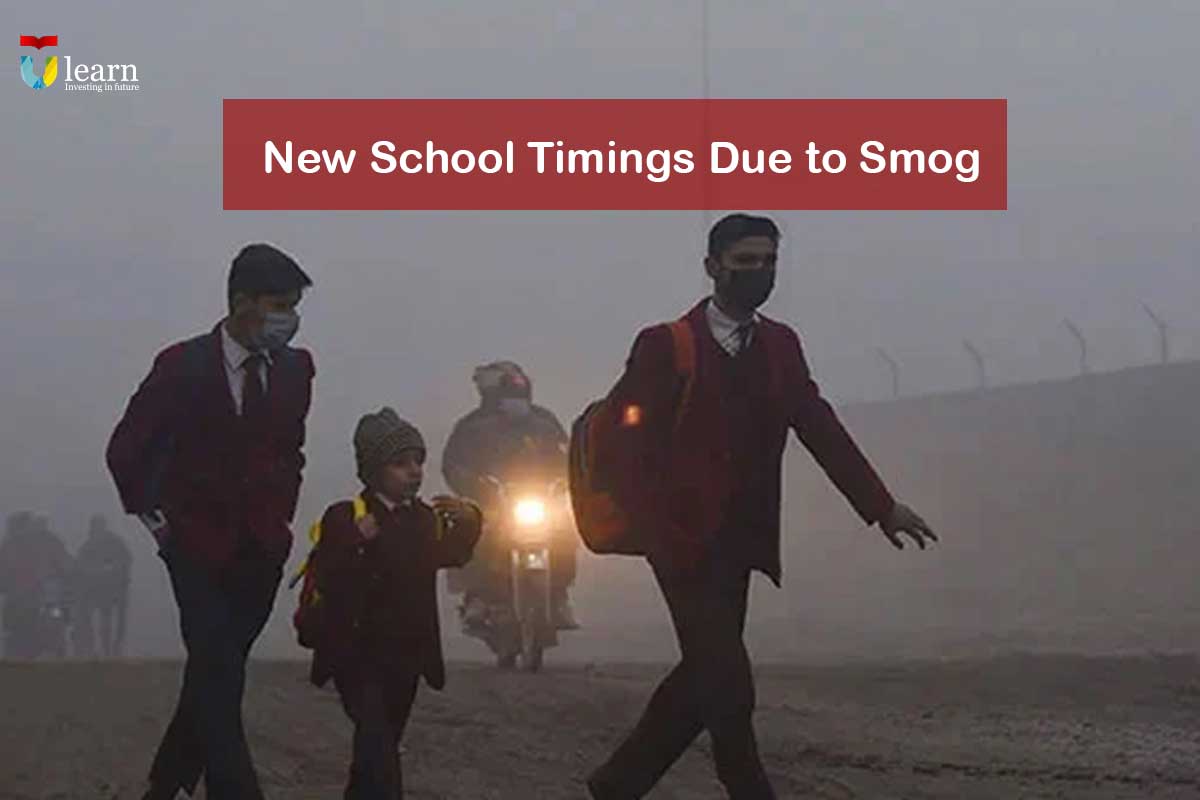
278 328
515 406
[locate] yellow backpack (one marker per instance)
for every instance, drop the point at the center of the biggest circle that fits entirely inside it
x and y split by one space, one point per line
307 619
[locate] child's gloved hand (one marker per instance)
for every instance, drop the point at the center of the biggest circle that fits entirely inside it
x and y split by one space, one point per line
454 509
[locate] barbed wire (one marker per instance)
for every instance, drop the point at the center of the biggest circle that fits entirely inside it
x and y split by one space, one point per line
1168 350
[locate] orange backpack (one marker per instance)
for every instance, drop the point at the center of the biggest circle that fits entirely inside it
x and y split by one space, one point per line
605 526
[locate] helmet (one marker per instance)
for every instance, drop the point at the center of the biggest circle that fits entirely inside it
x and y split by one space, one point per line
502 379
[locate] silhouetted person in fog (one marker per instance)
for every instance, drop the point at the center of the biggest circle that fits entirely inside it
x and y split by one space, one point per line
101 592
712 485
35 569
209 455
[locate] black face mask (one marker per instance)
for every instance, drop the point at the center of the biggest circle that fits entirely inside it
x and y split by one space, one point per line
747 288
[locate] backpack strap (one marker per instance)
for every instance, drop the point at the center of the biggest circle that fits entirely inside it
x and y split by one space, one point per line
314 537
359 509
684 341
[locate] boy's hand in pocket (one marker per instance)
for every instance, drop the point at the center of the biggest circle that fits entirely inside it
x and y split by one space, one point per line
156 522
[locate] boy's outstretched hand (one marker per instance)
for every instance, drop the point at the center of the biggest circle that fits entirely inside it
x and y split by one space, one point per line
454 509
904 520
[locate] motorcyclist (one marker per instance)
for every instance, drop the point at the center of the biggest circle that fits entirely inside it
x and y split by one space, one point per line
507 436
101 589
34 570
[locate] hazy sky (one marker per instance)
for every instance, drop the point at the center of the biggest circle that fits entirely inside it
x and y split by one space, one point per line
115 244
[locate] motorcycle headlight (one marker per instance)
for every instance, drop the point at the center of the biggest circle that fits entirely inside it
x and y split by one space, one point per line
530 512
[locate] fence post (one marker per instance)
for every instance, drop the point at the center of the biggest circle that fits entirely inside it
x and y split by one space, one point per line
977 357
893 368
1082 342
1164 344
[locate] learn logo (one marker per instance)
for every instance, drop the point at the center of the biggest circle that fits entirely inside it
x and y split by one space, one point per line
82 77
49 69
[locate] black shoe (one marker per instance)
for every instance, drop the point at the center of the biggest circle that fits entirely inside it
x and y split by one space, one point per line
599 791
594 789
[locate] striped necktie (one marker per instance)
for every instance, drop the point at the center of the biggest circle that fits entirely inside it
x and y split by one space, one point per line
743 333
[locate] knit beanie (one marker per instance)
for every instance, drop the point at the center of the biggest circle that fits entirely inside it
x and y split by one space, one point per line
379 438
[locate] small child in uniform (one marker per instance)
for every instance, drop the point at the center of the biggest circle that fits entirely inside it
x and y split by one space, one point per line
373 617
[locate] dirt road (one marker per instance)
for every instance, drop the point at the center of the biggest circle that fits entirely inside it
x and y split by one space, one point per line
1016 727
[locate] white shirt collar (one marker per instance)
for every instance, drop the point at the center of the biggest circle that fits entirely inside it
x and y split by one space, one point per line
235 352
724 327
392 505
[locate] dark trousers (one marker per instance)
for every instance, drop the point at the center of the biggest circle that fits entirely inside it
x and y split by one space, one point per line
21 622
379 709
113 619
111 615
711 689
220 615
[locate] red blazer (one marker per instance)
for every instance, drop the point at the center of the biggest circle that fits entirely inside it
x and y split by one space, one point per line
686 478
223 484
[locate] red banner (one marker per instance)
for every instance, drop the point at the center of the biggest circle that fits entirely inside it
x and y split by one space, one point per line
614 154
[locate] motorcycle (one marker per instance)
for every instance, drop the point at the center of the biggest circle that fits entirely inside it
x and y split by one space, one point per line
527 517
54 620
